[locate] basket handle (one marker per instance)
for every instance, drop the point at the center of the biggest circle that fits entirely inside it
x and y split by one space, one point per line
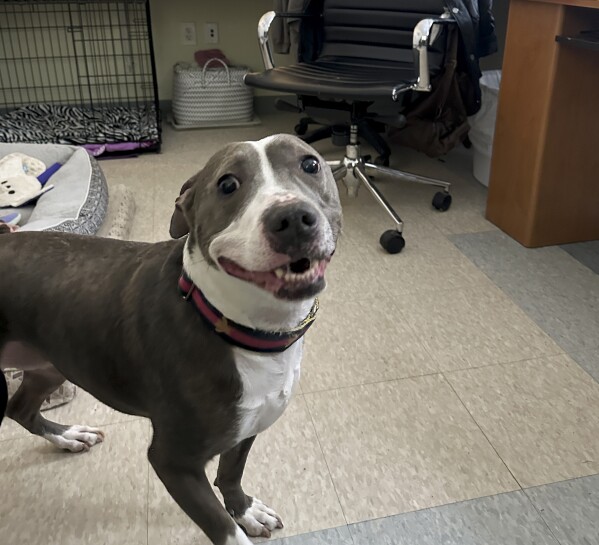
206 66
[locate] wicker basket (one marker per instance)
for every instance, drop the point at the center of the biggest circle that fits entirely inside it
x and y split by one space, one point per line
203 95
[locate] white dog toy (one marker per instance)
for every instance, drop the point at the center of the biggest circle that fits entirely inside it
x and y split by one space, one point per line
18 179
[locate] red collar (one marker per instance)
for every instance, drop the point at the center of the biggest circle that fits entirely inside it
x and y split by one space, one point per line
255 340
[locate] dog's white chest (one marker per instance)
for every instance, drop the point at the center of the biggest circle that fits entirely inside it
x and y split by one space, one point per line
268 383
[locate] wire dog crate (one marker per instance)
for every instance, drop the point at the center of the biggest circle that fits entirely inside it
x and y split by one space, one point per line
78 72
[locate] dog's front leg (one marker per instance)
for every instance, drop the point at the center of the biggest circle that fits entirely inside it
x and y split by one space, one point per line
257 519
188 485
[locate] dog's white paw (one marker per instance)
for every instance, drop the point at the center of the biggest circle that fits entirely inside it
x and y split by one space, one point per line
259 520
77 438
239 538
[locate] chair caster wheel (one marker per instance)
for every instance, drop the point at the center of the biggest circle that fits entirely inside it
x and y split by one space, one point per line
442 201
301 129
392 241
382 161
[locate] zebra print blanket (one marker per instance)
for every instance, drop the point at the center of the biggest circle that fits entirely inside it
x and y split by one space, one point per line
50 124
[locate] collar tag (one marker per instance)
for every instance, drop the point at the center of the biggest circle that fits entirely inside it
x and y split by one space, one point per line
189 292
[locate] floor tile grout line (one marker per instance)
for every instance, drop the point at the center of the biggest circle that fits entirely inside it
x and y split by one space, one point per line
370 383
351 533
569 480
431 374
448 382
538 511
506 363
324 457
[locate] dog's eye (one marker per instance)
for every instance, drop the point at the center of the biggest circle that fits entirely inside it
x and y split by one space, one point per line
228 184
310 165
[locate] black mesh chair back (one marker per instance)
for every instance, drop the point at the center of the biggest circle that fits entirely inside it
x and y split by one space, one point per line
376 30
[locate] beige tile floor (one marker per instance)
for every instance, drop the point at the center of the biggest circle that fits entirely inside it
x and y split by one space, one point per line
423 384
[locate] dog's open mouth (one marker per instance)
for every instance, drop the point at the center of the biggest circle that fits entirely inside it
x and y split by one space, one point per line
294 280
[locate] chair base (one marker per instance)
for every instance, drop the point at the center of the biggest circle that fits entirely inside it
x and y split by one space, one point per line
360 173
368 129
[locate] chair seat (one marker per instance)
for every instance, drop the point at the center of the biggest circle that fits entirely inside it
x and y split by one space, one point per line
330 77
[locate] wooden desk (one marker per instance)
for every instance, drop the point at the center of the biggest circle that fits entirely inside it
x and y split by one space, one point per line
544 184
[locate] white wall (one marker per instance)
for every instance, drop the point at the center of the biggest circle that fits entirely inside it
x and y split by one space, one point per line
237 22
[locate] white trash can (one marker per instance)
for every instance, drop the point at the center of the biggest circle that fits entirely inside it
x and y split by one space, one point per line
483 125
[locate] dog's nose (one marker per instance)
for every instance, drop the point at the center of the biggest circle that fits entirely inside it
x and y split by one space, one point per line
292 223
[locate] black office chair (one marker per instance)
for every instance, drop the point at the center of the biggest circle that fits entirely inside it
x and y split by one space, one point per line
363 53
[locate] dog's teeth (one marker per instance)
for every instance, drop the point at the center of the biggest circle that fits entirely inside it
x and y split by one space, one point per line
292 277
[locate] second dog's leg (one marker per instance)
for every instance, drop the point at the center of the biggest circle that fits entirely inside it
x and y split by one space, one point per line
24 407
257 519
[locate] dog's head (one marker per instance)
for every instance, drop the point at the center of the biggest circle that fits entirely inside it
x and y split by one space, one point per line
265 212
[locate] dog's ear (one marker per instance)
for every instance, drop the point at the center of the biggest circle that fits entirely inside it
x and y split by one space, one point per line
179 225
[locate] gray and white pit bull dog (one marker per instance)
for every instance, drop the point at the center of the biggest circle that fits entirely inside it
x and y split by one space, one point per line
211 369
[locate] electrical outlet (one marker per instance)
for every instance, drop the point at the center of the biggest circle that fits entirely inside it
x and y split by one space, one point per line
211 33
188 34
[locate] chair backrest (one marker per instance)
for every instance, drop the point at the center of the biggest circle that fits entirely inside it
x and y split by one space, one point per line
375 29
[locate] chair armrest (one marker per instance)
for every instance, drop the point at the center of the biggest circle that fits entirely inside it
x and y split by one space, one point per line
263 39
263 29
424 35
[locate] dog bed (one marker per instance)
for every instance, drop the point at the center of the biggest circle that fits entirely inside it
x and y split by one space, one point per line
86 209
79 199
